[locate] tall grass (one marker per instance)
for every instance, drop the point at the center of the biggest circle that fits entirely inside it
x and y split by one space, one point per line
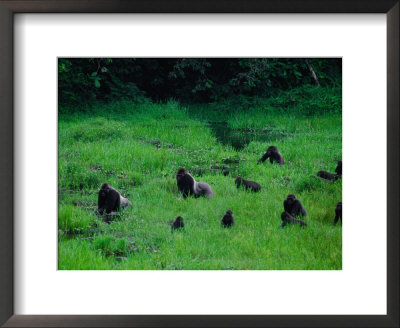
138 149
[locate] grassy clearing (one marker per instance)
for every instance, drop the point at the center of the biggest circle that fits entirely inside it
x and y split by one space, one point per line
138 149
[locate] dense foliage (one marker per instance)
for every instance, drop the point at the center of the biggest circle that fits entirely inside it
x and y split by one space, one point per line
83 81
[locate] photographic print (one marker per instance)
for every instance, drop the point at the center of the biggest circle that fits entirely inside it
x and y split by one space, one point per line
200 163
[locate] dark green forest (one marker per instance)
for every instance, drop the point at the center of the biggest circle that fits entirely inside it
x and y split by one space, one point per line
240 81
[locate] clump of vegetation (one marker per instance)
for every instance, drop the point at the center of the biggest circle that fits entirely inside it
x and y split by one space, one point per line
74 220
108 246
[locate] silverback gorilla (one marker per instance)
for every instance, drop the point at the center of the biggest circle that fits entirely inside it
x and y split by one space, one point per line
187 185
273 154
288 219
254 186
293 206
110 200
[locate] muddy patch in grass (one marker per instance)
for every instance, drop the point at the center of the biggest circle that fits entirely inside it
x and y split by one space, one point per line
214 170
230 161
225 166
86 204
85 234
157 143
241 137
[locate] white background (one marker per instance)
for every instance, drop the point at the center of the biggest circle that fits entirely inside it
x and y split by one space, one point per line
360 288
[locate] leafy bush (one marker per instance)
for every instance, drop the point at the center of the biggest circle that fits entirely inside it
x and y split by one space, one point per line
108 246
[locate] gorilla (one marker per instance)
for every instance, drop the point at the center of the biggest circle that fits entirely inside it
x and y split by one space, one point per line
338 169
254 186
293 206
273 154
187 185
110 200
227 220
177 224
288 219
338 213
328 176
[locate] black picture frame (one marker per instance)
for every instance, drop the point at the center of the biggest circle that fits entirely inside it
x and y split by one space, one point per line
10 7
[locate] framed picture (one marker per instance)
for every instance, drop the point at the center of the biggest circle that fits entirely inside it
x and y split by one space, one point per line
68 252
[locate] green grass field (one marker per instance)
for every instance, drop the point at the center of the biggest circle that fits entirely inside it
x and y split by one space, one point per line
138 149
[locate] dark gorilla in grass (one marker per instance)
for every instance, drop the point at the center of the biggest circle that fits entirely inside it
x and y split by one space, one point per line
293 206
289 219
338 213
227 220
110 200
338 169
254 186
177 224
187 185
273 154
327 176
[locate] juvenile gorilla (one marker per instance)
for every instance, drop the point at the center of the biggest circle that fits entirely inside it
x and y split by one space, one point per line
227 220
273 154
110 200
293 206
254 186
288 219
338 213
187 185
328 176
338 169
177 223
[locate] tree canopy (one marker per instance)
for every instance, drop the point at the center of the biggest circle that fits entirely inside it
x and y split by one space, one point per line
188 80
